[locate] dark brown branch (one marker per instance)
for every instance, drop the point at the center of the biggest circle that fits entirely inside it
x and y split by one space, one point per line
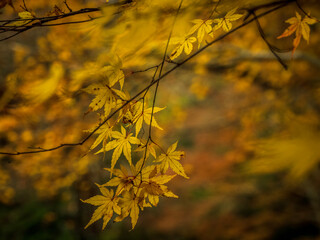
267 42
304 12
157 86
24 7
153 83
65 3
215 8
266 5
66 23
145 70
39 21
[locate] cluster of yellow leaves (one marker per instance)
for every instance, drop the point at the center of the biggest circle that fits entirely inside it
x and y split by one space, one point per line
140 185
300 27
225 22
106 95
203 28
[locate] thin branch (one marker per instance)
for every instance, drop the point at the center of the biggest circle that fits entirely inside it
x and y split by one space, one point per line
266 5
65 3
66 23
57 17
24 7
39 21
145 70
267 42
305 13
157 86
154 82
215 8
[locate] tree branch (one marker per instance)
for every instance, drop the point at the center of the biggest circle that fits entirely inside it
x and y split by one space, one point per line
161 77
39 21
271 48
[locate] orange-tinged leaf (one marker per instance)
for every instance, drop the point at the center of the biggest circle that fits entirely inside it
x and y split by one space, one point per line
299 27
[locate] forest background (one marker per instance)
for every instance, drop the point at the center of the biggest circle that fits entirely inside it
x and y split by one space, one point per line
245 110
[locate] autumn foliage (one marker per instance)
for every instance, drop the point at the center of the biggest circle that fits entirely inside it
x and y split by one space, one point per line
98 93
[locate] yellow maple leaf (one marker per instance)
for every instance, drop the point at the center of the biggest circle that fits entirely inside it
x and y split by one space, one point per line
142 114
107 205
114 71
123 179
128 178
184 44
150 149
225 22
202 26
121 144
153 187
129 204
105 96
171 159
105 133
299 27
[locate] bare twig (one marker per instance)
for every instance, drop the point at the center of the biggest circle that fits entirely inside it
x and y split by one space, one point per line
272 49
65 3
24 7
305 13
39 21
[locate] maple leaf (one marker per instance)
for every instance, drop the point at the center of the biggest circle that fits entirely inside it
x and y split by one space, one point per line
225 22
123 179
150 149
129 204
171 159
107 205
299 27
105 97
142 171
184 44
105 133
141 113
153 187
121 144
202 26
129 178
114 72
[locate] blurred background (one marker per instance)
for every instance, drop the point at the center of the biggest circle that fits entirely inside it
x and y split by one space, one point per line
249 128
